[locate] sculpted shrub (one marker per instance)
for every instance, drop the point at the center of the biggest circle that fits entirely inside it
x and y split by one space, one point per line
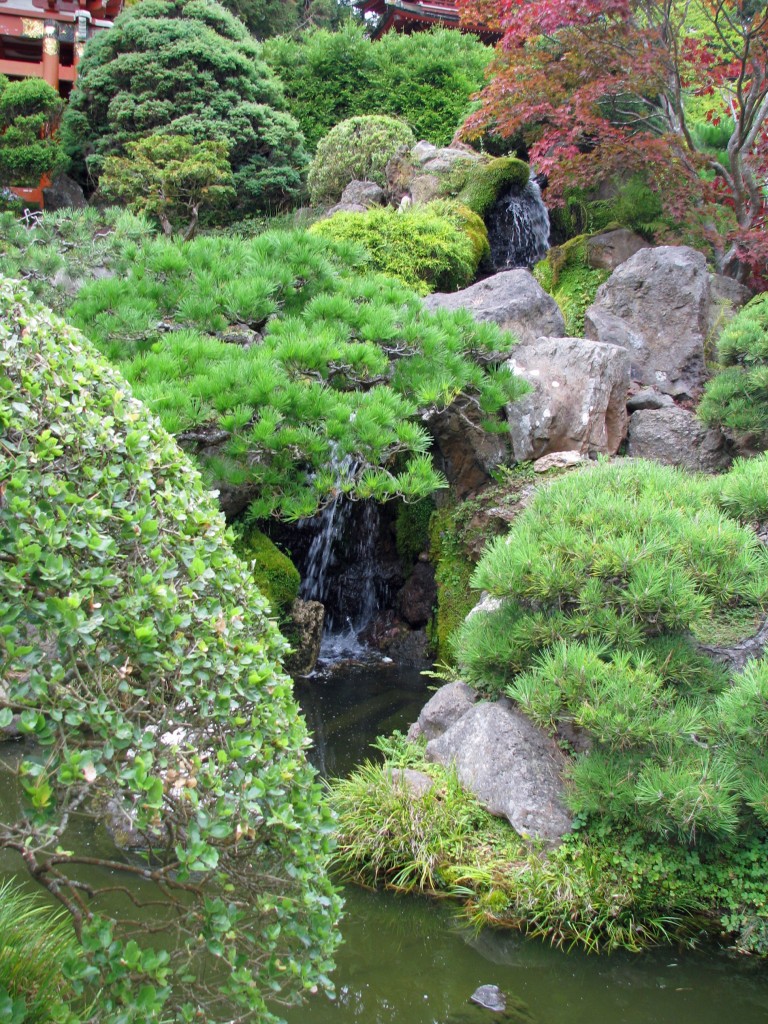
29 142
358 148
136 657
601 581
427 247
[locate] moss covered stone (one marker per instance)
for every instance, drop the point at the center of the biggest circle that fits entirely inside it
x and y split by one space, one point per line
273 572
572 283
484 182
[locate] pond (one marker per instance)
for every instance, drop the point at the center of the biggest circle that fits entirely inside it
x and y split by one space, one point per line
407 960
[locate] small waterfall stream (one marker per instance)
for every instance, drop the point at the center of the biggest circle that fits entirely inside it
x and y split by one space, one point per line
518 228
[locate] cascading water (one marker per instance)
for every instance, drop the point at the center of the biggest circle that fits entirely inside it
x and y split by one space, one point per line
518 228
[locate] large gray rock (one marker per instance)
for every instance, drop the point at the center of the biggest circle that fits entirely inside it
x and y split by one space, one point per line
609 249
675 437
442 710
512 767
512 299
662 296
578 402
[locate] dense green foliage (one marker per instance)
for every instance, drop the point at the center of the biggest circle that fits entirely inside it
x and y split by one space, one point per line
334 364
56 252
186 67
273 572
136 654
37 946
426 247
602 579
571 282
356 149
172 178
737 396
425 79
29 143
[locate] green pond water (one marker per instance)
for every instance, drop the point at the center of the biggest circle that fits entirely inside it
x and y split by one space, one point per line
408 960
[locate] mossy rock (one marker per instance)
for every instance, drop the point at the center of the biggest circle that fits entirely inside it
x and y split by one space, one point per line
484 183
273 572
566 275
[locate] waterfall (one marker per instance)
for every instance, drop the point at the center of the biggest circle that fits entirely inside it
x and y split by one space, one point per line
340 569
518 228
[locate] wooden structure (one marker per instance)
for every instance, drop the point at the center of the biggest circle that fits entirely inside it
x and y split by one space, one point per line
416 16
46 38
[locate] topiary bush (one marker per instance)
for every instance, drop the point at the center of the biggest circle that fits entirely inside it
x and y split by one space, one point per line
138 659
29 114
427 247
356 149
189 68
324 362
736 398
571 282
601 581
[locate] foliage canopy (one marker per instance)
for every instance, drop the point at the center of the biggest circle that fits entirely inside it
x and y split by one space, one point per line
602 89
137 656
190 68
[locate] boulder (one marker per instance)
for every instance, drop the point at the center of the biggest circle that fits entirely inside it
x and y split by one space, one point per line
578 402
656 304
417 783
559 460
424 188
648 398
513 299
365 193
417 598
512 767
64 194
609 249
463 449
726 299
306 633
675 437
441 711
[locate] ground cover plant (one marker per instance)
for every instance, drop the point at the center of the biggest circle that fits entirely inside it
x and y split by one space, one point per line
327 372
188 68
140 665
425 79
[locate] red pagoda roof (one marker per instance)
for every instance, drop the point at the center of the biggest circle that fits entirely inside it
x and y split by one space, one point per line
414 15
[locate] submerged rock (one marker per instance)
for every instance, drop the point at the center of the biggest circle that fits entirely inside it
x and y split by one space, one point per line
489 1000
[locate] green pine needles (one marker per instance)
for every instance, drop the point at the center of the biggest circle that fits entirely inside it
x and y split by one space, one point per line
604 582
331 364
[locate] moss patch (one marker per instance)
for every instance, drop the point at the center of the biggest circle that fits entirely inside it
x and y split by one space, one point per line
484 182
571 282
273 572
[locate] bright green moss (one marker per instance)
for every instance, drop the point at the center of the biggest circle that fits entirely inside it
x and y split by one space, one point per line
571 282
484 182
273 572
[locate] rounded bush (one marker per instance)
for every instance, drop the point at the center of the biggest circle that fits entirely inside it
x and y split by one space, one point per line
358 148
420 245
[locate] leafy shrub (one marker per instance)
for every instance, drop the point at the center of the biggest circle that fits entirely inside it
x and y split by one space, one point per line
426 247
29 112
743 492
425 79
737 397
358 148
273 572
138 657
340 364
601 580
570 281
56 252
189 68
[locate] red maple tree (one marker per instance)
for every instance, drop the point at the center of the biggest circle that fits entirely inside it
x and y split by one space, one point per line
602 88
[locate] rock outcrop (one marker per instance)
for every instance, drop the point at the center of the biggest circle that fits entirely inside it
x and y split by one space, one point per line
513 299
675 437
579 401
512 767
